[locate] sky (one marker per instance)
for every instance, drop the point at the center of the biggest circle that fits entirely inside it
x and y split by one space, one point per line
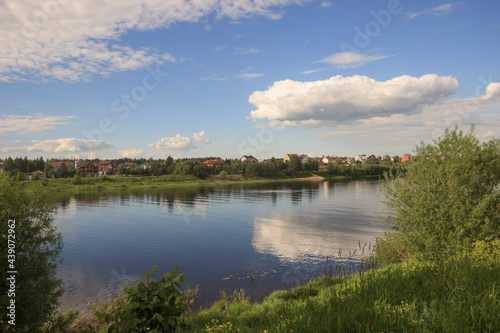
151 78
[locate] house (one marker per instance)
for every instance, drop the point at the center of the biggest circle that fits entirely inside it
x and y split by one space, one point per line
288 157
395 159
371 157
406 157
80 165
145 166
58 164
360 158
303 158
327 159
214 162
248 159
104 167
91 169
350 161
130 165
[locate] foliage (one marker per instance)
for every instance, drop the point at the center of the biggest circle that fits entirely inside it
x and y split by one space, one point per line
77 179
152 306
448 197
35 256
295 164
184 168
60 322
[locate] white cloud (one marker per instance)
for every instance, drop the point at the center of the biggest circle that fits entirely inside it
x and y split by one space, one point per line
131 152
341 99
313 71
244 74
325 4
73 40
492 91
250 50
350 59
200 137
178 142
64 145
437 11
36 123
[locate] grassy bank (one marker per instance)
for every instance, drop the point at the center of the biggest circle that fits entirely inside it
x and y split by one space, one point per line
452 295
114 182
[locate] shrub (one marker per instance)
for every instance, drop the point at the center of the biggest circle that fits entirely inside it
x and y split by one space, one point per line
34 244
151 306
448 197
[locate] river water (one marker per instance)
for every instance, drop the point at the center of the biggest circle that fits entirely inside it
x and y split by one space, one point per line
220 236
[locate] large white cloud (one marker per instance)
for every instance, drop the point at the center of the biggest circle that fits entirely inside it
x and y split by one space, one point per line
178 142
64 145
74 40
339 99
36 123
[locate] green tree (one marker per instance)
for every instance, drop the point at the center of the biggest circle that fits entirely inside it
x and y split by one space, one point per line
34 257
447 198
295 164
184 168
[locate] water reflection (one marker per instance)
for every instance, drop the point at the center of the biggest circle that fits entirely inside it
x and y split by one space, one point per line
219 235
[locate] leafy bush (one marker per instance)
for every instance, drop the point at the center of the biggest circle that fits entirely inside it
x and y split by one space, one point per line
30 244
152 306
447 199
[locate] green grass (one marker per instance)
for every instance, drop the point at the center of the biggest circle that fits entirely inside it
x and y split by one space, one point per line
98 183
458 294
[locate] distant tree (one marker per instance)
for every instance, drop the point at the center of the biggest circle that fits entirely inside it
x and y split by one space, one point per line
447 198
295 164
184 168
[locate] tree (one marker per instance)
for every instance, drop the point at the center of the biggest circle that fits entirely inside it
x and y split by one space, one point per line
447 198
34 257
295 164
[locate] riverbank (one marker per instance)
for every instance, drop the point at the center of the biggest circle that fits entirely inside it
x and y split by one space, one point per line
123 182
118 182
455 294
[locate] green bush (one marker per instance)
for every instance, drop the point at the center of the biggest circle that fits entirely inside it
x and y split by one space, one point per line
152 306
447 199
30 245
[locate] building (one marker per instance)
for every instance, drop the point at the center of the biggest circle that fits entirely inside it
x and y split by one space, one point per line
248 159
406 157
213 162
91 169
58 164
288 157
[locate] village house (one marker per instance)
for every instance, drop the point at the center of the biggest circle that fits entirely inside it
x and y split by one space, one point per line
91 169
360 158
145 165
406 157
304 158
58 164
288 157
213 162
248 159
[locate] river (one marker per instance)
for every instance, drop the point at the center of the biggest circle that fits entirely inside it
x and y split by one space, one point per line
220 236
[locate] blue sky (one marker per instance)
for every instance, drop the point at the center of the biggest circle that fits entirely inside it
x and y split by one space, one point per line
229 78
